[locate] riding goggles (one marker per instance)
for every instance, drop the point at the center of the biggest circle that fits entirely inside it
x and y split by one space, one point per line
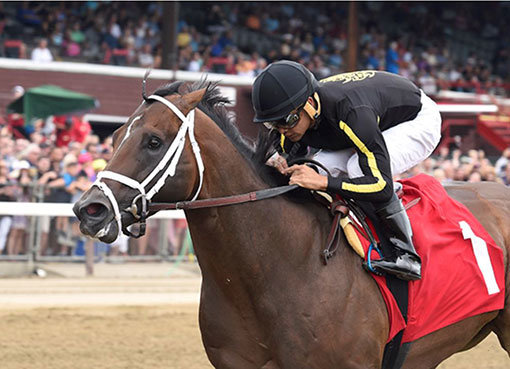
288 122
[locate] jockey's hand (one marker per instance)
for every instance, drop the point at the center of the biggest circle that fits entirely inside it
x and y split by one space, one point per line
277 161
306 177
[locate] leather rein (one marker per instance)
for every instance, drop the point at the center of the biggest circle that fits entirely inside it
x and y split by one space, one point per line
223 201
234 199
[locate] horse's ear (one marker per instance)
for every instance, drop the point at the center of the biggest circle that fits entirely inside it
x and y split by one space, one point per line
184 88
192 99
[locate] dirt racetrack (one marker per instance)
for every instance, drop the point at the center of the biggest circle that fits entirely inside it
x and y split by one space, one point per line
113 323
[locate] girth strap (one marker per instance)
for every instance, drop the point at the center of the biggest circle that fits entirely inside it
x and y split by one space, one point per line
339 210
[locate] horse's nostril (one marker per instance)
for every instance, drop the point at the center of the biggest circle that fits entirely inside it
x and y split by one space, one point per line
95 209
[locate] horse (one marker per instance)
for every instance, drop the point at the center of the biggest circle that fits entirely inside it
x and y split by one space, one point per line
267 301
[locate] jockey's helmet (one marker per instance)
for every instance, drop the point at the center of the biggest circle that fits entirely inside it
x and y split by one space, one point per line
280 88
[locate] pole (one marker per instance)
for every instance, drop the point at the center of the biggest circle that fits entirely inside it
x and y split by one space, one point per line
352 37
89 257
169 34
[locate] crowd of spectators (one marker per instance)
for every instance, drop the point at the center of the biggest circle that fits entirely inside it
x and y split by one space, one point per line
56 159
243 37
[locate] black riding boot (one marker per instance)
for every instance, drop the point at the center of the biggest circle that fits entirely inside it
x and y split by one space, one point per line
405 262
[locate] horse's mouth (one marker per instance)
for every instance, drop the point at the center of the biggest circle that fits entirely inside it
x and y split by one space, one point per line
96 219
107 232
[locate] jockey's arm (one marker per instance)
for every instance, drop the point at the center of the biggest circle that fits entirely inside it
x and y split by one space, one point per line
361 128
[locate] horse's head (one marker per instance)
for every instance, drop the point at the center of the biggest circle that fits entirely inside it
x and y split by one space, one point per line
157 144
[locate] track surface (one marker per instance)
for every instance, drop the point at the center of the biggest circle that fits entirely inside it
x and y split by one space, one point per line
115 323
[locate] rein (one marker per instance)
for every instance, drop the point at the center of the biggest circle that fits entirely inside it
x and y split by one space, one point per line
223 201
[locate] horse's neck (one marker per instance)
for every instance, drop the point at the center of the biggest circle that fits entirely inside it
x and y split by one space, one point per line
245 239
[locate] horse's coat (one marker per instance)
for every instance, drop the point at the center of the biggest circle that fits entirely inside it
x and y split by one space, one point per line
267 301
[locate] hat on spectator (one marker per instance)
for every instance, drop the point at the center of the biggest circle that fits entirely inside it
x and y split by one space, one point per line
20 164
99 164
84 157
18 90
17 167
69 159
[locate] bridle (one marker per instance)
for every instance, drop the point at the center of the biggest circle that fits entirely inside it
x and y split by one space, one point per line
172 155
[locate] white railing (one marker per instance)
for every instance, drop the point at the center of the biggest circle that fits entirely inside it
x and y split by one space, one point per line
118 71
64 210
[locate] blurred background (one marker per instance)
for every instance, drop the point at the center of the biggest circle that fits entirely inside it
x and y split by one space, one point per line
70 74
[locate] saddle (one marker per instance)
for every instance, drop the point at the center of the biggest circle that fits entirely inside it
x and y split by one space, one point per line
349 217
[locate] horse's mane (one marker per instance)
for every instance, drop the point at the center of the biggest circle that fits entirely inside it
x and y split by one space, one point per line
213 105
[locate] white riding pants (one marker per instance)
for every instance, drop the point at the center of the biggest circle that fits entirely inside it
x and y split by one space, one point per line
408 144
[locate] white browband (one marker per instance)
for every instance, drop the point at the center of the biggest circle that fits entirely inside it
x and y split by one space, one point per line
172 155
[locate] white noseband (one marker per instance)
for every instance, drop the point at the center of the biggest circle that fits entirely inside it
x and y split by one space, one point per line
172 155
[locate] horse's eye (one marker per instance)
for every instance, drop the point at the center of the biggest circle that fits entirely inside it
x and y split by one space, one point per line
154 143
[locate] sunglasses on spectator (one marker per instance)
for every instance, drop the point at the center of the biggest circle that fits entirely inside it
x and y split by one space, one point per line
289 122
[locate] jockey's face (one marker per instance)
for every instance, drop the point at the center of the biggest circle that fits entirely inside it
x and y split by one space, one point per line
296 133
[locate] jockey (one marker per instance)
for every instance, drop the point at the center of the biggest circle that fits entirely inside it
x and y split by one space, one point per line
367 125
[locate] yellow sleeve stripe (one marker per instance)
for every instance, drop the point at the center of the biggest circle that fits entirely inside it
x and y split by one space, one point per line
363 188
282 142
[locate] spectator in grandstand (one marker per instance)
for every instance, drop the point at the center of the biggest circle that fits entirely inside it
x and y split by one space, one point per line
196 63
41 53
475 177
215 21
7 193
183 37
70 47
86 161
63 125
69 183
27 14
80 128
503 161
392 59
98 165
505 176
44 176
106 154
244 66
74 148
7 151
21 176
145 57
94 150
56 156
32 154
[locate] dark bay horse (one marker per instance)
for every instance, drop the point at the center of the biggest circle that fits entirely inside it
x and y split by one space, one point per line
267 300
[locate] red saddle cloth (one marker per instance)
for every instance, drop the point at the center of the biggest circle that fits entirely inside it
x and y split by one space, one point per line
462 267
